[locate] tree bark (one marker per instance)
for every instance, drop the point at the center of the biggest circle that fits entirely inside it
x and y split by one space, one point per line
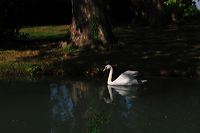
90 25
156 12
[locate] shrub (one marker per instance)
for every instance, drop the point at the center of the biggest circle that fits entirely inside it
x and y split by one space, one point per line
34 69
190 11
69 48
181 10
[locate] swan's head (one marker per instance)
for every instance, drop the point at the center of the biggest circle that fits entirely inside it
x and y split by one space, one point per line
107 67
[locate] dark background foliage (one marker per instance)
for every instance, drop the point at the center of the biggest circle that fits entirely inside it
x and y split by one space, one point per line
17 13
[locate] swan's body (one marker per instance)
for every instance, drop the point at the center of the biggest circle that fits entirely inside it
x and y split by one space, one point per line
126 78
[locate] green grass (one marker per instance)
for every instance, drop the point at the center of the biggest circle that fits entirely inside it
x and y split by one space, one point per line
14 68
70 49
43 49
167 51
51 32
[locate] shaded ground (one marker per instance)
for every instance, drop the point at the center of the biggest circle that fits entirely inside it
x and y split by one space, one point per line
170 51
173 50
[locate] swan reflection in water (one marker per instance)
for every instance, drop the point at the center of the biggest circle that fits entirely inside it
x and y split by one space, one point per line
62 105
127 93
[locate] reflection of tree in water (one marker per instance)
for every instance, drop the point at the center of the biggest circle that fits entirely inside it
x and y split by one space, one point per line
120 102
62 108
79 90
87 103
79 107
128 103
72 103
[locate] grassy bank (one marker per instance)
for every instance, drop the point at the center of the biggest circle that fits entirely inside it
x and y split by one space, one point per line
37 53
167 51
47 33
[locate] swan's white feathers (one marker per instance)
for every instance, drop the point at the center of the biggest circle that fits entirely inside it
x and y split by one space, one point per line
130 73
126 78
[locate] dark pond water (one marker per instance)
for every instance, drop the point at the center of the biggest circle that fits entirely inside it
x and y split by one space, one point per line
89 106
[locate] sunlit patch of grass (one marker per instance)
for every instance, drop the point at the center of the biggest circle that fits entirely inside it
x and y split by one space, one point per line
45 32
24 68
14 55
14 68
29 62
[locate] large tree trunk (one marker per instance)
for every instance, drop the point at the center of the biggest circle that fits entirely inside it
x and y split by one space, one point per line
156 12
90 24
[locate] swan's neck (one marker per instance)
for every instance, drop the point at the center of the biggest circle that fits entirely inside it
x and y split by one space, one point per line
110 76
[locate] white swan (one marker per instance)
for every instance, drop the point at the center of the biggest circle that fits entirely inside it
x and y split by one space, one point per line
126 78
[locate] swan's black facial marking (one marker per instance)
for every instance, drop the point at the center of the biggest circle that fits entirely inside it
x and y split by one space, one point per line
107 67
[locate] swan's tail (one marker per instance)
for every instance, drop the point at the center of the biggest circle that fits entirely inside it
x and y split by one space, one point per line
143 81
